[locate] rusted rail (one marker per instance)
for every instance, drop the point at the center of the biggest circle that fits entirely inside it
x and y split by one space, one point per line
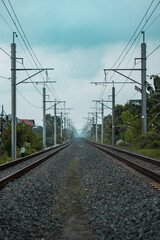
17 161
31 166
136 166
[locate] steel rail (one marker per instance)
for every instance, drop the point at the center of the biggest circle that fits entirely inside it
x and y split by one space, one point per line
17 161
136 155
141 169
21 172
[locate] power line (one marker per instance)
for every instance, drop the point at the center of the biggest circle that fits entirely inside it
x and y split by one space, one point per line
28 101
133 95
24 36
136 37
5 52
6 22
153 51
128 45
133 37
152 23
149 17
18 29
4 78
30 52
21 94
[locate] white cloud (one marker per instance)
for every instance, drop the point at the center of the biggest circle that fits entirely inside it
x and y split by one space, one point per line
74 70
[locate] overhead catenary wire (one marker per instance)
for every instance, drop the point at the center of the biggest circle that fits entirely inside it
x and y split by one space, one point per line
19 32
22 94
28 100
137 37
31 104
152 23
5 52
27 40
8 54
153 51
24 39
133 37
127 64
4 77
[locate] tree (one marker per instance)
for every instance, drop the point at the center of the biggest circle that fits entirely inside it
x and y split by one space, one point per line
25 134
153 103
50 130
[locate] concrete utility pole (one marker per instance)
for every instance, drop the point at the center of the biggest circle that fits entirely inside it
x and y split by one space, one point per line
64 122
113 116
61 119
55 127
102 128
96 116
102 112
143 82
55 117
2 121
13 98
96 127
44 117
61 125
13 92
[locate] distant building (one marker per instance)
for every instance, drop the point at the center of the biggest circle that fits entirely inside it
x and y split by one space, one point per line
27 121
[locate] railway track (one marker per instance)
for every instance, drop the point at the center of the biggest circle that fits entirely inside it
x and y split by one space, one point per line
79 192
147 166
14 169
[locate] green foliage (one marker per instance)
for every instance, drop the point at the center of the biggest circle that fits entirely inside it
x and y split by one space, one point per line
4 158
38 130
154 153
50 130
26 137
128 123
149 140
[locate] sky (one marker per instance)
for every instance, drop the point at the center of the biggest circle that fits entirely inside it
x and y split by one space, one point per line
78 39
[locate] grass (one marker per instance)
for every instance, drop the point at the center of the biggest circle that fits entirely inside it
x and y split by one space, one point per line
154 153
4 159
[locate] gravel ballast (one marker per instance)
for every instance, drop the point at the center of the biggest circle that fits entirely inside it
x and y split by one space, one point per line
83 183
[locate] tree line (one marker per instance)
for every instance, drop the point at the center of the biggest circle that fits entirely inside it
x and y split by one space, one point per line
31 137
128 121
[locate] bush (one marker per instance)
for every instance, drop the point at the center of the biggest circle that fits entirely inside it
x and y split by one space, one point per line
120 143
4 158
149 140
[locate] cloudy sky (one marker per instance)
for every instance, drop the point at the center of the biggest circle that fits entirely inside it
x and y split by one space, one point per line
79 39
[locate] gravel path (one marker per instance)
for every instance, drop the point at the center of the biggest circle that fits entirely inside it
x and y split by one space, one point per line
79 192
118 204
10 170
153 167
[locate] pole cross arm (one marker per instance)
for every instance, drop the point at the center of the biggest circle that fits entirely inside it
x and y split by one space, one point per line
38 82
127 77
30 69
102 102
30 77
55 103
124 69
98 83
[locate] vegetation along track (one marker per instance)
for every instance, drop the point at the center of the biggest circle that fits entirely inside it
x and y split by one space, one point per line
11 170
147 166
